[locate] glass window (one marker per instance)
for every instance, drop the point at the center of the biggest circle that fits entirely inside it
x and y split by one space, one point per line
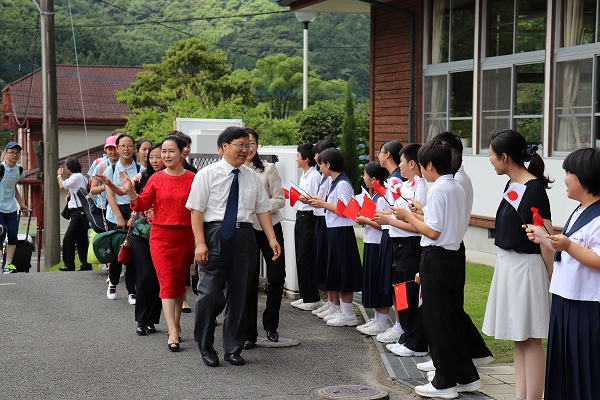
496 102
516 26
453 30
579 22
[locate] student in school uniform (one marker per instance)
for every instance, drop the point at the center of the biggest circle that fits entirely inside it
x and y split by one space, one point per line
343 260
223 197
442 274
573 365
304 229
372 296
407 256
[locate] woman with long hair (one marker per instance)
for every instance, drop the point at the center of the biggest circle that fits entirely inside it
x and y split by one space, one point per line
518 306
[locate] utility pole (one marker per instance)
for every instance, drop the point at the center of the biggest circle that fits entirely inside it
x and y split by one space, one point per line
50 131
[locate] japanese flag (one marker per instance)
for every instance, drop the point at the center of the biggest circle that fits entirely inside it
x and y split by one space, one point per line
514 194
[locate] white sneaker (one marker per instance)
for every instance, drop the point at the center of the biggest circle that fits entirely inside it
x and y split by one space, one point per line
366 325
426 366
325 313
469 387
374 329
321 309
431 375
478 362
334 314
403 351
430 391
296 303
390 336
111 292
131 299
343 320
311 306
107 279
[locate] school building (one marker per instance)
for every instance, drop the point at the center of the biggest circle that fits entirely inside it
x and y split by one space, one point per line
479 66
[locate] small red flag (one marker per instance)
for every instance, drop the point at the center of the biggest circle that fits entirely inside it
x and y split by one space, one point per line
340 208
352 209
368 207
537 219
378 189
420 297
294 196
286 193
400 292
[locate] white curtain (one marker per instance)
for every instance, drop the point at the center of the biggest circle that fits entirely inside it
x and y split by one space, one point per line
438 83
568 130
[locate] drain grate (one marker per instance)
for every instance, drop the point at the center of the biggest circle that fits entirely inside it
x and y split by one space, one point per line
352 392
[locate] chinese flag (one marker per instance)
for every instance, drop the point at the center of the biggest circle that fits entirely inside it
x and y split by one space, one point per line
537 219
340 208
420 297
352 209
375 186
294 196
286 193
368 207
400 292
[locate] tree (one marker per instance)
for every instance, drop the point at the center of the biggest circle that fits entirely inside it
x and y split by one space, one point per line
349 143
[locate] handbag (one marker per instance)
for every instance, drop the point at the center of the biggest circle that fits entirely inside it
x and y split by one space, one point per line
107 245
66 213
125 252
91 256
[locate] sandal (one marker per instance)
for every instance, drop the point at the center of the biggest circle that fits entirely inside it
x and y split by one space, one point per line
173 346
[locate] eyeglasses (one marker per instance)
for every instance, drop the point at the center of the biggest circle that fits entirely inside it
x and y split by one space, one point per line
243 146
14 153
126 146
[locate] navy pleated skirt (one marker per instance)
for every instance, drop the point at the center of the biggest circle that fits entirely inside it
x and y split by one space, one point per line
386 261
372 297
319 271
344 272
573 365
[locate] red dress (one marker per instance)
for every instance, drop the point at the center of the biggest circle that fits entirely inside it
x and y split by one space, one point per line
171 236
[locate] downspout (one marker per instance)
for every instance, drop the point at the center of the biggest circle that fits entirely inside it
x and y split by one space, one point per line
411 98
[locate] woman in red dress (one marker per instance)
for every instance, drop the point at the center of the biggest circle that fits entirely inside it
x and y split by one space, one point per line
171 237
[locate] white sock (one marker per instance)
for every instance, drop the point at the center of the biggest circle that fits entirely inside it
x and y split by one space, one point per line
336 307
399 327
330 303
376 317
8 261
384 320
347 308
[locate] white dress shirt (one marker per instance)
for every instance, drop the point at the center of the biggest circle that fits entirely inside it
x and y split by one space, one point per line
210 191
72 183
309 182
445 213
417 192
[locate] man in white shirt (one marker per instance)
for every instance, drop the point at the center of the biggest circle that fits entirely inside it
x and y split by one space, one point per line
226 244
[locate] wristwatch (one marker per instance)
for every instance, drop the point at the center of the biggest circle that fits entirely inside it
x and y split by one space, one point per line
58 176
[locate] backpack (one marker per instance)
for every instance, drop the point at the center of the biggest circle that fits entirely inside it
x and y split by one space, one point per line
20 170
94 214
107 245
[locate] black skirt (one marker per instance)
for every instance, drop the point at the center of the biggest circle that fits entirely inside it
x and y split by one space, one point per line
344 272
319 271
372 297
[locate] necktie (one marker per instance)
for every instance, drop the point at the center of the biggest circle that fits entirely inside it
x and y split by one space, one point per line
230 217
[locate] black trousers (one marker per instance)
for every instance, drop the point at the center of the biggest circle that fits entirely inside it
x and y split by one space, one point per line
274 288
407 257
230 266
75 236
442 283
304 237
115 268
147 305
473 339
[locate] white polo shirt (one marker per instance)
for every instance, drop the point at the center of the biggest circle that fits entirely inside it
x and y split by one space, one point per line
571 279
309 182
446 213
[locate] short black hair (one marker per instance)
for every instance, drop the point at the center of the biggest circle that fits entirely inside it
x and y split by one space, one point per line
141 142
457 148
124 135
375 170
393 147
411 152
333 157
439 154
585 164
73 165
230 134
322 145
306 151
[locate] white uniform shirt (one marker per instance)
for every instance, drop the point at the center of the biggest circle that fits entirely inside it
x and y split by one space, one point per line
465 182
333 220
324 186
445 213
417 192
571 279
210 191
373 235
72 183
309 182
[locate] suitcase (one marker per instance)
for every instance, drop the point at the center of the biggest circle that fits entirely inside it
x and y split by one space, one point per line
24 250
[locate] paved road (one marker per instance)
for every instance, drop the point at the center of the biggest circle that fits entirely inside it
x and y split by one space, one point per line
62 339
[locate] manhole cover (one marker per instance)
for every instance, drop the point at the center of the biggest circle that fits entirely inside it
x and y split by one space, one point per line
283 342
352 392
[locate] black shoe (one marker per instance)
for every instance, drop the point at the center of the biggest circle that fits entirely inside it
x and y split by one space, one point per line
140 330
173 346
210 357
273 336
150 328
66 269
186 310
234 359
248 345
84 268
402 339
